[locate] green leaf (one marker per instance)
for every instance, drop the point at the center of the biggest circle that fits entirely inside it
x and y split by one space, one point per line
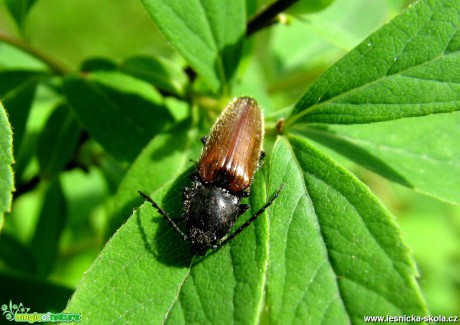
19 10
6 160
333 244
17 90
161 73
208 34
167 155
327 240
98 64
122 113
147 268
393 74
308 6
420 153
58 141
51 222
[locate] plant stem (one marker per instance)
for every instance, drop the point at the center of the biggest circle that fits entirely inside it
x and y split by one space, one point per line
267 17
55 66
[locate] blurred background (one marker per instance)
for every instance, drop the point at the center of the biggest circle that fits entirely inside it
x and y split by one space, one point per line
71 32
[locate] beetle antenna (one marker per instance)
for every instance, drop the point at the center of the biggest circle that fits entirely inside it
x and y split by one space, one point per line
164 214
254 217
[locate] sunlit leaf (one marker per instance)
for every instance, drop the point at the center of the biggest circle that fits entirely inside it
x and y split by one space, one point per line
156 277
335 253
328 246
393 74
207 33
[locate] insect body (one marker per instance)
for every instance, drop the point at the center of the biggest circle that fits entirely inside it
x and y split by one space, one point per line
227 165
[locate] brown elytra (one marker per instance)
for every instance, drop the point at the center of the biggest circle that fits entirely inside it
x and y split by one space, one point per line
232 151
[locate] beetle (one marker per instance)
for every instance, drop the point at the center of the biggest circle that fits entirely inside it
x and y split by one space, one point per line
231 155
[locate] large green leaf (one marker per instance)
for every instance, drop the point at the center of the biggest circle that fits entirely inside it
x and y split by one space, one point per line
208 34
410 67
328 253
122 113
147 268
6 160
335 252
420 153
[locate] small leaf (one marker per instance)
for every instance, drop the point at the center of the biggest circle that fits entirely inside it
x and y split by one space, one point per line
335 253
308 6
147 268
44 244
122 113
161 73
393 74
208 34
19 10
162 160
58 141
98 64
420 153
6 160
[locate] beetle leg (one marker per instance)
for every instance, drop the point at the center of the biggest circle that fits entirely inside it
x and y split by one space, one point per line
243 208
204 139
163 213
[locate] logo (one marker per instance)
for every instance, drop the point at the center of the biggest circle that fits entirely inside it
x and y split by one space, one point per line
20 313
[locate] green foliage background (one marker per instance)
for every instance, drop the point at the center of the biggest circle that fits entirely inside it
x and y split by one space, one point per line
103 100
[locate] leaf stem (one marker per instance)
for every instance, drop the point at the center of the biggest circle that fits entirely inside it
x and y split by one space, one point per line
54 65
267 17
